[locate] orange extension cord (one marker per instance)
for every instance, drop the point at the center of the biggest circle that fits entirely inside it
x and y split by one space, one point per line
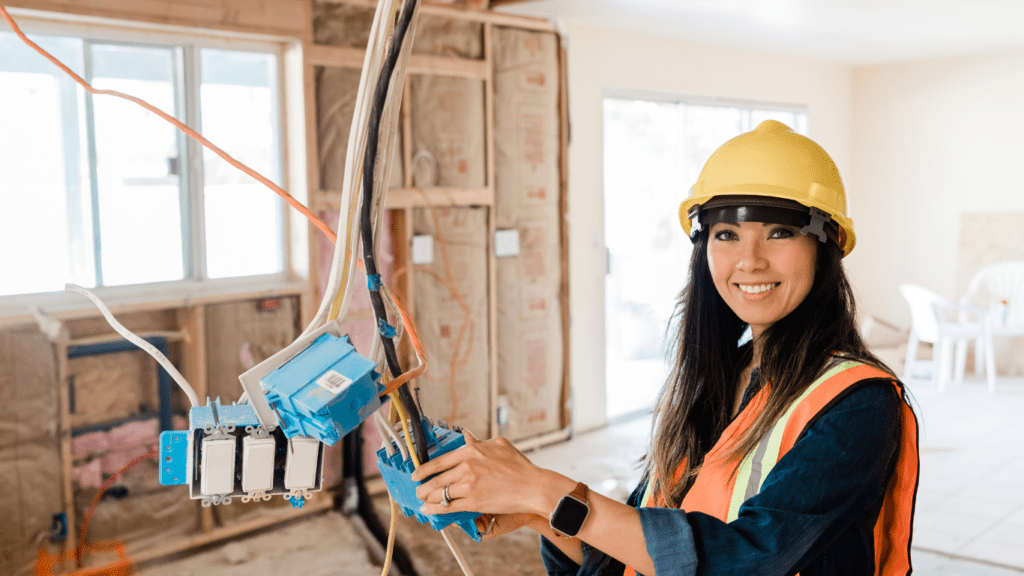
406 320
99 496
456 365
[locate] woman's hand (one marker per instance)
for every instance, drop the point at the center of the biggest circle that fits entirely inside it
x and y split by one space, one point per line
489 477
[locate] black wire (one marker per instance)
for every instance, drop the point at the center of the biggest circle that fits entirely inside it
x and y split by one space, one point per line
366 220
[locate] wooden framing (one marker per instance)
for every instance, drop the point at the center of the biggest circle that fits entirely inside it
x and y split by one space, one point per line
404 199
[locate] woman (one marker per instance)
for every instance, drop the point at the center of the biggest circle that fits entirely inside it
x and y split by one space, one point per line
786 449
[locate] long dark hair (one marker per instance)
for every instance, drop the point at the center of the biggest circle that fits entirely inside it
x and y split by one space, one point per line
695 406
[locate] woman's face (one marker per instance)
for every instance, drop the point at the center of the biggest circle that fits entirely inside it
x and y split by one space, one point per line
762 271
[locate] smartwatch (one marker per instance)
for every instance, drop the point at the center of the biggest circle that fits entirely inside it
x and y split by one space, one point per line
571 512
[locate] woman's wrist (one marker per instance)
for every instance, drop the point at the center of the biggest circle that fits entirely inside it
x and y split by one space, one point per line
551 486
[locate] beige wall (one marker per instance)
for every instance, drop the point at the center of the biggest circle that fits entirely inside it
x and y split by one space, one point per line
600 59
932 140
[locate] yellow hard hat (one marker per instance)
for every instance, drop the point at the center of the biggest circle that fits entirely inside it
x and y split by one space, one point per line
774 166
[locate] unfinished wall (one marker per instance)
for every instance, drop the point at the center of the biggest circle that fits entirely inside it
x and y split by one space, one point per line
30 468
453 323
527 199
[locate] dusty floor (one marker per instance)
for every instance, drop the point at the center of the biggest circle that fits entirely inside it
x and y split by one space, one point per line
969 504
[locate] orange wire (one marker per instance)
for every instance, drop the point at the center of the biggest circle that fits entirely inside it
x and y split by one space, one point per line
410 328
177 123
99 496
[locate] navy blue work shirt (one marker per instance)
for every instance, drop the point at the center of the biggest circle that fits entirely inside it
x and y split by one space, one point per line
815 513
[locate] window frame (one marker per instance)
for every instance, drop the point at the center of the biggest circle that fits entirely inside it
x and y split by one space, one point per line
195 287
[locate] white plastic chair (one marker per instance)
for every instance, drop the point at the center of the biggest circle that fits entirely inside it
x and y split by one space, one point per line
943 324
999 290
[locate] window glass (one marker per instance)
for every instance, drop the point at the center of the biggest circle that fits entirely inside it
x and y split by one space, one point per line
244 233
99 191
46 222
138 161
653 154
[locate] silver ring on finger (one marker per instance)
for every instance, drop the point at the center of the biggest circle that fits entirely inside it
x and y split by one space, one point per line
446 499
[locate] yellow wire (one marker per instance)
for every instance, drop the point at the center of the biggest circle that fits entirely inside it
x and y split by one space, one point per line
391 536
405 427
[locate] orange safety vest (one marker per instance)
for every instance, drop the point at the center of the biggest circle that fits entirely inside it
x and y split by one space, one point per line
719 491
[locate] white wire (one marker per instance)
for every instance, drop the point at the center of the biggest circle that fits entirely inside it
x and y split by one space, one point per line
456 552
134 339
385 441
372 64
385 427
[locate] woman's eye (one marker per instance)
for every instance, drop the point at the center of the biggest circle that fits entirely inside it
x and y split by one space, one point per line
725 235
781 233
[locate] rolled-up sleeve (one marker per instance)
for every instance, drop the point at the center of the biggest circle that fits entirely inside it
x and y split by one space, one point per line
834 474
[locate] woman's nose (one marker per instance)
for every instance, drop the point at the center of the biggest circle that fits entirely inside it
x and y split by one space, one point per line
751 256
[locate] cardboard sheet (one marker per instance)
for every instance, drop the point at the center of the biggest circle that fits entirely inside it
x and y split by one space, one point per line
440 317
530 362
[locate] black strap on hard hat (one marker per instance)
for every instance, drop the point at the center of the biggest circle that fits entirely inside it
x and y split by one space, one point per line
768 210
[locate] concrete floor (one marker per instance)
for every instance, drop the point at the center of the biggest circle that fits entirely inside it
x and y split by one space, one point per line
970 503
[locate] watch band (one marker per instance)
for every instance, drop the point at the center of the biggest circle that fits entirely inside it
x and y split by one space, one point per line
580 492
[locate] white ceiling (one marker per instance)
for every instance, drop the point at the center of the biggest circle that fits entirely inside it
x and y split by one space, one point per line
845 31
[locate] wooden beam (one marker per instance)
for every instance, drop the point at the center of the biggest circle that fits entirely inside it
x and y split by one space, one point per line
496 18
419 198
490 141
339 56
140 557
171 336
64 427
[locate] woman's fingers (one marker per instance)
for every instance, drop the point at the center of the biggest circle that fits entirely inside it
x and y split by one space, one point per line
431 490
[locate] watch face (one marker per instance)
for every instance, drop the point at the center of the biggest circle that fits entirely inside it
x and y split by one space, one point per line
569 515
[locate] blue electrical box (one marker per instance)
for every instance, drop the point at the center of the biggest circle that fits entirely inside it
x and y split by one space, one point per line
325 391
397 475
173 457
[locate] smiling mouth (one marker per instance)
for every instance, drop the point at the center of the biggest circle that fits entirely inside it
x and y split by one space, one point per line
757 288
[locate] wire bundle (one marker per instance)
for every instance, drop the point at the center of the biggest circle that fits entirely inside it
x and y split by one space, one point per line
373 128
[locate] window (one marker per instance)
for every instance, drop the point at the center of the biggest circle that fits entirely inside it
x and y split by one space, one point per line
101 192
653 152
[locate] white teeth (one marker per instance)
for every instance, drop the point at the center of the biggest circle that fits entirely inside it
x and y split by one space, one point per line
755 288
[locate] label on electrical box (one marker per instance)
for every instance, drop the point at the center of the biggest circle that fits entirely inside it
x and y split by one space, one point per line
334 381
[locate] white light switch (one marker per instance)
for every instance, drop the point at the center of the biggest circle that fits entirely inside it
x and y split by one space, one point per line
257 464
217 468
506 243
422 249
300 466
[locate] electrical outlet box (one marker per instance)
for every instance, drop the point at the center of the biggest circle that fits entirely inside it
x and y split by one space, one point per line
397 472
422 249
506 243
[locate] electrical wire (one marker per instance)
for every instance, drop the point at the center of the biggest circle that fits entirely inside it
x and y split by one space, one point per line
99 496
395 49
456 551
386 428
177 123
135 339
391 536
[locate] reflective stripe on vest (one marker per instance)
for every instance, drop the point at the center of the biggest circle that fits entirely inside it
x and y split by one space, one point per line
720 490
